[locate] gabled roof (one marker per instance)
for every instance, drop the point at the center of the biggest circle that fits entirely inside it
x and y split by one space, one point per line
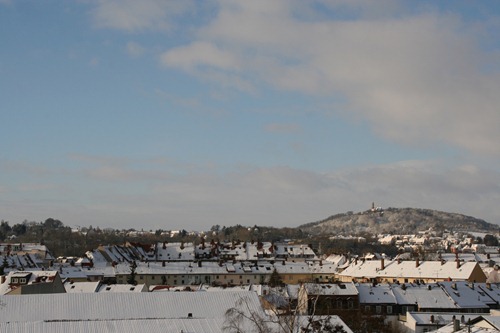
32 277
410 269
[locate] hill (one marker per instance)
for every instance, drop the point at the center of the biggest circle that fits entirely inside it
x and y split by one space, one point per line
397 220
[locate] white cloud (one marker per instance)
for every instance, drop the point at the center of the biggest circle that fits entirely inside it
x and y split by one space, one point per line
134 16
201 54
418 79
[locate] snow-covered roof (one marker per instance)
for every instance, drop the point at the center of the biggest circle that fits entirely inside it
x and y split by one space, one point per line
122 306
442 318
344 289
467 295
492 290
410 269
378 294
191 325
71 272
293 250
121 288
21 261
175 251
31 277
81 287
429 296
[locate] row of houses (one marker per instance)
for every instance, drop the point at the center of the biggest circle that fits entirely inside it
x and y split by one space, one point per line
417 306
386 298
185 264
180 251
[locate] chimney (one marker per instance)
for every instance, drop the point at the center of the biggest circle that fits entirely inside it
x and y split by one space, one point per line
356 261
456 325
432 318
382 266
417 262
163 263
488 256
399 261
458 263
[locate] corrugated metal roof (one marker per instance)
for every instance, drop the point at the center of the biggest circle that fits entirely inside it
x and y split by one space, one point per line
117 306
150 326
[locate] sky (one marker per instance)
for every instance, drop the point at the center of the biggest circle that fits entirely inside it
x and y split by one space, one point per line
158 114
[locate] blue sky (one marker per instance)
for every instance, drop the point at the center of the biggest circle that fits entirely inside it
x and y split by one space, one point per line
185 114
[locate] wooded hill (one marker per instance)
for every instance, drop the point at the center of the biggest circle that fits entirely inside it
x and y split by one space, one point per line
397 220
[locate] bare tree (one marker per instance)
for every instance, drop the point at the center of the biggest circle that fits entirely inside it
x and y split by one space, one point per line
292 318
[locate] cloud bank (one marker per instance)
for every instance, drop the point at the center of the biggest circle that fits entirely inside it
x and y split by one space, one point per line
417 79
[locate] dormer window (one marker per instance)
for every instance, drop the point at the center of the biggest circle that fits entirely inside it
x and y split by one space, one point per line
14 280
22 281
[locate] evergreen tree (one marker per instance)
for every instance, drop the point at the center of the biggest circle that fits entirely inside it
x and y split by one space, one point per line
131 276
5 264
275 279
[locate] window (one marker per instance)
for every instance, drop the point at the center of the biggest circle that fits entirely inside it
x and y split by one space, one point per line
378 309
338 304
14 280
389 309
141 277
152 277
22 280
350 304
367 308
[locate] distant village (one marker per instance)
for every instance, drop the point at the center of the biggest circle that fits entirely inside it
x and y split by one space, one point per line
436 283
